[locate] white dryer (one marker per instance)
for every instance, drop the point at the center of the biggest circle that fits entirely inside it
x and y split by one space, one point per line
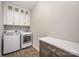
26 39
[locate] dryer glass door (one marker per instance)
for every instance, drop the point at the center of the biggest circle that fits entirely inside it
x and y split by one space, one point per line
26 39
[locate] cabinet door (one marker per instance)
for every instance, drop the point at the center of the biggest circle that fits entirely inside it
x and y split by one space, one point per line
10 19
5 14
27 18
16 16
44 53
22 17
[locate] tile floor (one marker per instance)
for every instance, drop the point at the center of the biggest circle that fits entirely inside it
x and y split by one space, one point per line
27 52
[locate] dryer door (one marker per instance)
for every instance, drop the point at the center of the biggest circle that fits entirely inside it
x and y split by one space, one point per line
26 39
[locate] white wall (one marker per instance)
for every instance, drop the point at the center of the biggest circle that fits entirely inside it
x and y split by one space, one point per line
1 25
56 19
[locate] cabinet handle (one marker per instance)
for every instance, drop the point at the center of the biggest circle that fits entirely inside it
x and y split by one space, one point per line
54 50
50 48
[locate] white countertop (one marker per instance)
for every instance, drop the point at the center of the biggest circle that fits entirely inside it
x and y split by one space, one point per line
68 46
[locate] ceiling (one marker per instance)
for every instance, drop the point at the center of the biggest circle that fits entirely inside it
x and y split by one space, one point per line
24 4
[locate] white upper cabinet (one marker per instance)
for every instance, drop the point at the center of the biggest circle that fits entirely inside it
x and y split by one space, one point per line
10 19
5 14
22 17
8 14
16 16
27 18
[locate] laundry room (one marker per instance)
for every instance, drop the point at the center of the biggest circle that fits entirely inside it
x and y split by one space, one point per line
39 28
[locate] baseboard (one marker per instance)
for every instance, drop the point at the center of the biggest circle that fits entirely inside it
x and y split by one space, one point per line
37 48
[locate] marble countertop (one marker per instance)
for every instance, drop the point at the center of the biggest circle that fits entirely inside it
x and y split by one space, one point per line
65 45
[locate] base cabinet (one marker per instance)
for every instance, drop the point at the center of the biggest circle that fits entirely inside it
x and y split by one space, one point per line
47 50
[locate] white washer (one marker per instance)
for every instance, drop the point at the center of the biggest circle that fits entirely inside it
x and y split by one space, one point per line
26 39
11 42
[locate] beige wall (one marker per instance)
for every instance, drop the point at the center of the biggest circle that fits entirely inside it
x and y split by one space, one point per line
1 25
56 19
